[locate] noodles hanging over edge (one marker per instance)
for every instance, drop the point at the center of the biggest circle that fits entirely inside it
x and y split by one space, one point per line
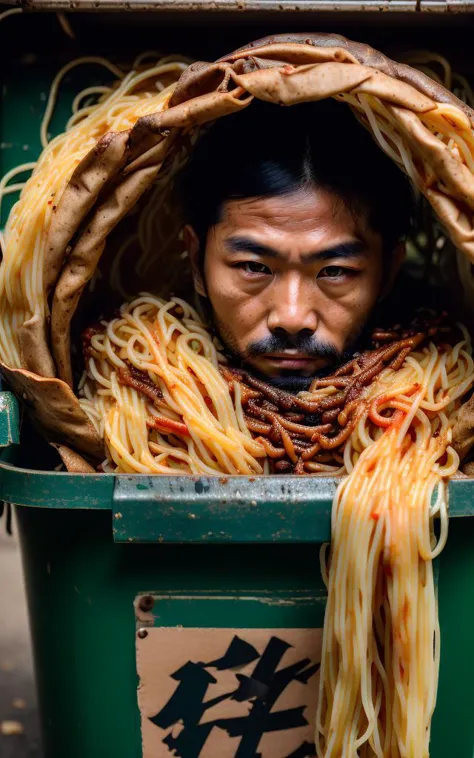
380 655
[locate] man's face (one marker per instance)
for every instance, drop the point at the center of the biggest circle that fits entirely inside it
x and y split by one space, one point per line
291 280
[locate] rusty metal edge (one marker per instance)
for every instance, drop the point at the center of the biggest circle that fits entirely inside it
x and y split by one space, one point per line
247 6
217 6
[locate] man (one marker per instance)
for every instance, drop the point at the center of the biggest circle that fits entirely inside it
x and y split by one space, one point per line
296 227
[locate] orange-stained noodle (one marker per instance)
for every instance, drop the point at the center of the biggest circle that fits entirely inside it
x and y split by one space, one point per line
381 644
155 393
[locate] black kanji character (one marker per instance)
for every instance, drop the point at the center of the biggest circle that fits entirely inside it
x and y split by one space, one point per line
262 689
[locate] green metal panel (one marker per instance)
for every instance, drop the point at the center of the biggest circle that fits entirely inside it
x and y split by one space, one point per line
222 509
453 723
236 509
81 587
237 609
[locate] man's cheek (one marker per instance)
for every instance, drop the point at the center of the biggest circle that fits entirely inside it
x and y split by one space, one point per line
234 309
340 331
360 298
248 323
351 313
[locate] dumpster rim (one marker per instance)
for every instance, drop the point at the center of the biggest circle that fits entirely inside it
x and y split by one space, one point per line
90 490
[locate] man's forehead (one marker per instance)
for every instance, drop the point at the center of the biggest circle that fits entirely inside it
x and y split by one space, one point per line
306 210
308 219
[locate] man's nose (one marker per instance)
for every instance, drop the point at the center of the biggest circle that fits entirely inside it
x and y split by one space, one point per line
291 308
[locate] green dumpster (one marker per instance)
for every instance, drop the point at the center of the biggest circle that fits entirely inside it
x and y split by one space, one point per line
134 582
119 568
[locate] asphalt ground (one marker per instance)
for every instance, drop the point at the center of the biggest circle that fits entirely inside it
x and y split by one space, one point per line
17 691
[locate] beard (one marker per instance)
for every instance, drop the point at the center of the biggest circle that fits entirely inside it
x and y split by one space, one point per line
303 342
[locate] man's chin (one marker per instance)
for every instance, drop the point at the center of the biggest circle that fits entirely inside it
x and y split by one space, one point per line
292 381
293 384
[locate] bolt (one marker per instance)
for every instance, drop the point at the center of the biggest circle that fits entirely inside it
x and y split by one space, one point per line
142 633
146 603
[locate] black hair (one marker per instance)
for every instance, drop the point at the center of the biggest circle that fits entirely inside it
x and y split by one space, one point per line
268 150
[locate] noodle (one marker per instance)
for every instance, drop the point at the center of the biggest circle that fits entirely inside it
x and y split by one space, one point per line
379 673
154 344
65 25
25 237
154 389
10 12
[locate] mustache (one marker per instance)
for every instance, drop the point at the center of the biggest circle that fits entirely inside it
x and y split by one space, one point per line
306 344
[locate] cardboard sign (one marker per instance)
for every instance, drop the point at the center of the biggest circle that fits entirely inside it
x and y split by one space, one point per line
228 693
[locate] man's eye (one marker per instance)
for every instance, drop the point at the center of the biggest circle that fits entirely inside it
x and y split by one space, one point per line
334 272
254 267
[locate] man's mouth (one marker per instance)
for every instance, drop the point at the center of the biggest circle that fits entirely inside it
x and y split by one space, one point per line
290 360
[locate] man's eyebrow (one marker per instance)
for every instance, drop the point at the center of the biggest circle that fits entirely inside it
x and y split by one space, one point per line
345 250
247 245
353 249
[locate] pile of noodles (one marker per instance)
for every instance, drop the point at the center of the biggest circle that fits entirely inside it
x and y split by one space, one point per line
165 401
97 111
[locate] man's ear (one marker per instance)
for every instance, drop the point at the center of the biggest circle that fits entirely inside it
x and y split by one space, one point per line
398 256
192 246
